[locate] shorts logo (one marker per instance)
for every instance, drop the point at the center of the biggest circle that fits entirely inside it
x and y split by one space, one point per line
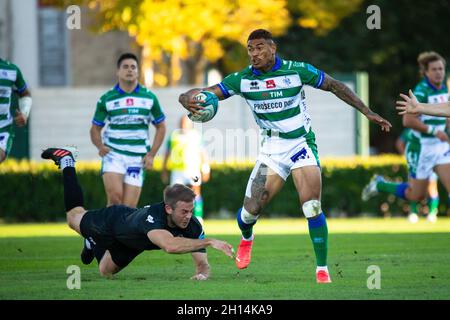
1 138
445 154
270 84
130 102
134 171
302 154
150 219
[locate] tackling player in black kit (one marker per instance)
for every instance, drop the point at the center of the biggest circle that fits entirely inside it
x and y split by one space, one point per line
117 234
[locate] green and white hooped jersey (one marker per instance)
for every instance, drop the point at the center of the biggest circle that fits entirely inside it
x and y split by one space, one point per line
276 98
129 115
427 93
10 79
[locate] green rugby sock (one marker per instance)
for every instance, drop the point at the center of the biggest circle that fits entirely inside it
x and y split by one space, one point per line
318 232
388 187
413 207
198 207
433 204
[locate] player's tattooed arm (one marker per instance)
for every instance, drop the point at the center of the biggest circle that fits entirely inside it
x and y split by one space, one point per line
344 93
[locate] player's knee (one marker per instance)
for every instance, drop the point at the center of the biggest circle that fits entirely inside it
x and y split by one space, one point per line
104 271
115 198
253 206
312 208
417 197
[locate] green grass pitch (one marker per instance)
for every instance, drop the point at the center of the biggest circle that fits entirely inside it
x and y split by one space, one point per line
413 260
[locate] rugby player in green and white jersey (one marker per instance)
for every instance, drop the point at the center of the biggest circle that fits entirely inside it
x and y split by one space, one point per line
428 149
273 88
125 148
11 79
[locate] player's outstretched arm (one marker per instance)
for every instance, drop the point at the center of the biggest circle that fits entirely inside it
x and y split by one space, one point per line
187 98
410 105
202 267
170 244
344 93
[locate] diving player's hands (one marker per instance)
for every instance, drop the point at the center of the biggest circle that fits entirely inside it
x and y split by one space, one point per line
103 150
223 246
383 123
409 105
20 119
189 103
148 161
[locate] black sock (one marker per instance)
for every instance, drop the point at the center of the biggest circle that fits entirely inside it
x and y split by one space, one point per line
99 253
73 195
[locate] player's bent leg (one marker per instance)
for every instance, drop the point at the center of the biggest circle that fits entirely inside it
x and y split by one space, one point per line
131 195
198 204
113 183
262 186
416 190
308 183
74 217
107 267
443 172
433 199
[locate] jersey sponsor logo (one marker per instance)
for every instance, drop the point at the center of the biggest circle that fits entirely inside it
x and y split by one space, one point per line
254 85
130 101
438 98
263 106
150 219
268 106
116 104
287 82
8 75
270 84
312 69
5 92
276 94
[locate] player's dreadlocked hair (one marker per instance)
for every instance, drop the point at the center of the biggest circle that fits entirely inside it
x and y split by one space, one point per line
425 58
260 34
177 192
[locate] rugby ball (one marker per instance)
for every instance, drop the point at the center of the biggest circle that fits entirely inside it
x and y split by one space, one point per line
210 102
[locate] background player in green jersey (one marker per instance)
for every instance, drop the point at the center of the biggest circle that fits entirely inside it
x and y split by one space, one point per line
428 149
188 160
125 148
11 82
433 194
119 233
273 88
